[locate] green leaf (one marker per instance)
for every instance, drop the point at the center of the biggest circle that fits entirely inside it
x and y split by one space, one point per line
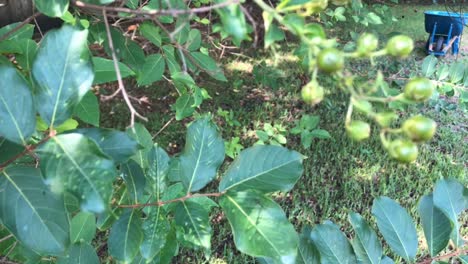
171 62
332 244
207 64
169 250
366 244
118 39
74 163
463 259
153 70
125 237
263 168
396 226
106 219
81 253
83 228
25 32
260 227
450 199
436 225
135 180
194 40
139 133
156 228
428 66
52 8
373 18
193 219
273 34
158 170
28 53
116 144
134 56
31 212
202 155
88 109
307 252
184 106
151 33
17 114
386 260
62 84
8 149
105 70
320 133
456 72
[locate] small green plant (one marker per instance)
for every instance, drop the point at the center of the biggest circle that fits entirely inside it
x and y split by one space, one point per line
272 134
233 147
307 128
229 117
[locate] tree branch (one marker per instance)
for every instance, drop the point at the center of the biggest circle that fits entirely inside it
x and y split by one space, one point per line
121 88
456 253
180 199
27 150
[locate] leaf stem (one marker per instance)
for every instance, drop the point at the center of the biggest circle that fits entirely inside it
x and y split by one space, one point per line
27 150
456 253
180 199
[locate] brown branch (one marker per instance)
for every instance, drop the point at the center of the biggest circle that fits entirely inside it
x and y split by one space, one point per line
121 88
453 254
22 24
27 150
153 13
180 199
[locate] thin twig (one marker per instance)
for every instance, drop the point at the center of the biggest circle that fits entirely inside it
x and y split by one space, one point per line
254 24
164 127
180 199
6 238
453 254
133 112
153 13
27 150
22 24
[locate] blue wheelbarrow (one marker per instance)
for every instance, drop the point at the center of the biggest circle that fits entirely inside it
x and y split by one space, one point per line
445 29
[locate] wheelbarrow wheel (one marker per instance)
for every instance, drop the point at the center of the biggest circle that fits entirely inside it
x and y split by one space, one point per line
439 44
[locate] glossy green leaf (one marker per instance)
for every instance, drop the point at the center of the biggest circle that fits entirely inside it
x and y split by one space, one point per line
463 259
208 65
62 84
332 244
307 252
106 219
158 169
8 149
134 177
273 34
436 225
104 70
36 216
17 114
152 70
171 62
260 227
202 155
118 39
263 168
52 8
88 109
81 253
151 33
450 199
133 56
156 228
396 226
169 250
193 220
28 53
184 106
194 40
125 237
139 133
386 260
366 243
115 144
74 163
83 228
25 32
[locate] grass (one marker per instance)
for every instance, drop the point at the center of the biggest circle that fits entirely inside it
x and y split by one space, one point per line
340 176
